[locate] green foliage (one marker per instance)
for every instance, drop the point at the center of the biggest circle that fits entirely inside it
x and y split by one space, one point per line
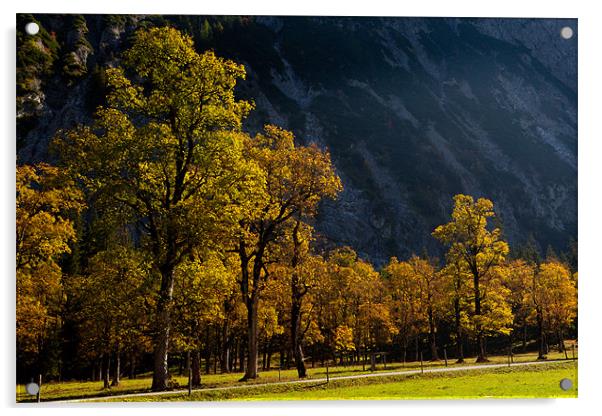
202 287
112 293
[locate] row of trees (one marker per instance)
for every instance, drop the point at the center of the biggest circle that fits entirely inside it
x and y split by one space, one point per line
167 229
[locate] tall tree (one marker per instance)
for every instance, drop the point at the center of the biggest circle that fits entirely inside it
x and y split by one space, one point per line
353 304
405 302
113 297
167 147
204 282
552 295
457 282
46 202
296 179
430 289
423 295
301 269
519 278
477 248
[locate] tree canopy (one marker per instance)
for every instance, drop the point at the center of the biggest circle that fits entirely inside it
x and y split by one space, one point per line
168 234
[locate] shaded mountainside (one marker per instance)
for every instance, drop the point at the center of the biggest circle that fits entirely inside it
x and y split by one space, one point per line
414 111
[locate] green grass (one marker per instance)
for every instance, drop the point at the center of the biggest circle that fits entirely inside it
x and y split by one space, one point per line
530 382
82 389
515 382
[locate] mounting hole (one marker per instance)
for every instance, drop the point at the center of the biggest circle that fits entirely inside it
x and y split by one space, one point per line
32 388
566 384
566 32
32 28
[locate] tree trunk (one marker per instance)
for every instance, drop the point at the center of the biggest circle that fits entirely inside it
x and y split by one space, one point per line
226 360
547 346
542 349
297 293
296 334
195 367
459 345
561 347
481 354
269 366
116 369
225 349
433 336
106 362
161 339
251 369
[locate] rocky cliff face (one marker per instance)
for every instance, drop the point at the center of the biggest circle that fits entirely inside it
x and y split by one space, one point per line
413 110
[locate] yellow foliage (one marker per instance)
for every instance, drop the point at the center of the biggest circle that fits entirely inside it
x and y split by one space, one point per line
46 201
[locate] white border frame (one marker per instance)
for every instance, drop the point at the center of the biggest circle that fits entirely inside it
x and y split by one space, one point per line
590 201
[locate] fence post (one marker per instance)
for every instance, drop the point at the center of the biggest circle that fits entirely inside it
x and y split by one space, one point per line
421 364
573 348
327 374
278 373
40 387
445 355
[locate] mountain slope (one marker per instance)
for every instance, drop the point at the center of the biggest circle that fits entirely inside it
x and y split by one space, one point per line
413 110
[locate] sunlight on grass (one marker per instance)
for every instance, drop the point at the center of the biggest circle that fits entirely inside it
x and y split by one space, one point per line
75 389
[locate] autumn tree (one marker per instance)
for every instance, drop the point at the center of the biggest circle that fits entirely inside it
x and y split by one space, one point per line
297 178
46 203
496 316
300 270
552 295
456 281
418 287
113 310
203 282
477 249
271 324
353 306
404 302
430 291
331 306
519 278
167 146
